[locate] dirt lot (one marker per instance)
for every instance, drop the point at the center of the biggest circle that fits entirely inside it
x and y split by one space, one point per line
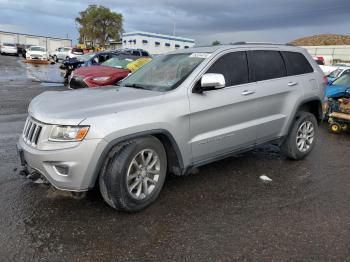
222 213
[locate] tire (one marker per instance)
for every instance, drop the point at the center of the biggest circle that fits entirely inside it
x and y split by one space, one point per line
298 145
121 176
335 128
55 58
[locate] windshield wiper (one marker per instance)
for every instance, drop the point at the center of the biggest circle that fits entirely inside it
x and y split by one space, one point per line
138 86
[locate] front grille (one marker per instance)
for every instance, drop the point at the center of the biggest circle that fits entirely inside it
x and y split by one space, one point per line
31 132
36 57
77 82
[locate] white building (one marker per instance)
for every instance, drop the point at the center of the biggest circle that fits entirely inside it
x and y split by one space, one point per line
155 43
51 43
331 53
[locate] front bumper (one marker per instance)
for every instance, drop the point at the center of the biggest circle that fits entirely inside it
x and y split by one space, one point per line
80 161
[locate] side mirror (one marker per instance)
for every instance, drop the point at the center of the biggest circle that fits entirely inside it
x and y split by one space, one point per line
213 81
209 82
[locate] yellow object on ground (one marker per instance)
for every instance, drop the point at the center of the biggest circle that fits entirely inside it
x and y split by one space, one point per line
340 115
38 62
133 66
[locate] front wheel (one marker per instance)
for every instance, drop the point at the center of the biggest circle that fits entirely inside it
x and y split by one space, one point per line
335 128
302 137
134 176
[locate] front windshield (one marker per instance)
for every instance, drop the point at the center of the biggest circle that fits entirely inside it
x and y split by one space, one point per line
38 48
85 57
165 72
344 80
118 62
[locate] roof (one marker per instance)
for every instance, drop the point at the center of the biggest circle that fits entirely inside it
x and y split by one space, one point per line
239 45
167 37
51 37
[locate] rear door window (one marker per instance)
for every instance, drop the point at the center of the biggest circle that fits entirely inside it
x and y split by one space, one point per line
296 63
265 65
233 66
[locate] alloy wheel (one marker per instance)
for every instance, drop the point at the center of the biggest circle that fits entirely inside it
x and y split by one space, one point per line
143 174
305 136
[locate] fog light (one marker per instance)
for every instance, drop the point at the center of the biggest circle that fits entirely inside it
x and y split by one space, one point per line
62 169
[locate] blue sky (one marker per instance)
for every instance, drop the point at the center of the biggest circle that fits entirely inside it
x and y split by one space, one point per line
205 21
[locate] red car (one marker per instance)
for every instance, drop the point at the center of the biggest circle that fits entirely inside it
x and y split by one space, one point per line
108 73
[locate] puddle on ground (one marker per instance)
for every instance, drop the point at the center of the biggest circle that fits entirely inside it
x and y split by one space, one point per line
49 74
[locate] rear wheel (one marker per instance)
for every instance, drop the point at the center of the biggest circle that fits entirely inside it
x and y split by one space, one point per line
302 137
134 176
344 127
55 58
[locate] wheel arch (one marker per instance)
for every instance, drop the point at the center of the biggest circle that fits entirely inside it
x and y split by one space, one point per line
312 105
174 156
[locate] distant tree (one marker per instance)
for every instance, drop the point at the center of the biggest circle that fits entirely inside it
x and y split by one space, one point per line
99 24
216 42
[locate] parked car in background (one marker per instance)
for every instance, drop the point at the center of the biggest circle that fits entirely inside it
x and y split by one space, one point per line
134 52
337 73
328 69
8 48
108 73
337 88
37 53
69 65
181 110
64 53
319 60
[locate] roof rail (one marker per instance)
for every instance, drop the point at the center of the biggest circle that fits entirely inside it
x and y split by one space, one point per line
259 43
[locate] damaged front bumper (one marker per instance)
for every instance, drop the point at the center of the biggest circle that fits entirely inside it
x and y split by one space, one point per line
71 169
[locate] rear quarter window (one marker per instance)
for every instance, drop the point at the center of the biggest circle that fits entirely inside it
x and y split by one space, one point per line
265 65
296 63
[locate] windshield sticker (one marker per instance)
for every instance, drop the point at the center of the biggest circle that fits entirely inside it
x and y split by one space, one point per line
200 55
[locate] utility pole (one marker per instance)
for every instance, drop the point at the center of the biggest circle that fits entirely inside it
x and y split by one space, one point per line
174 25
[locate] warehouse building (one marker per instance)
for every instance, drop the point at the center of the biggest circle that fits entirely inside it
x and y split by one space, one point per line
51 43
331 53
155 43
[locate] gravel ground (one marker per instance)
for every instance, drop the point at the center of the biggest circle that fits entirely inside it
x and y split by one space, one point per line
224 212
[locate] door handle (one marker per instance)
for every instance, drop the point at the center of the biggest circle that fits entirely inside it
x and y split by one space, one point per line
247 92
292 83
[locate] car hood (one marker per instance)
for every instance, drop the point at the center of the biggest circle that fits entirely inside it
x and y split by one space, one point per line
72 107
36 52
332 90
94 71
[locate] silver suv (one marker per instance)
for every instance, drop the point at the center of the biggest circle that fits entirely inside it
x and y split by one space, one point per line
182 110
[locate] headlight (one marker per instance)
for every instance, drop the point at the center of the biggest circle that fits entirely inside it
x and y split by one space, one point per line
102 78
68 133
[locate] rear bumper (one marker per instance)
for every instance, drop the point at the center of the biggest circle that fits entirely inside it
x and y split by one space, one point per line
80 161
